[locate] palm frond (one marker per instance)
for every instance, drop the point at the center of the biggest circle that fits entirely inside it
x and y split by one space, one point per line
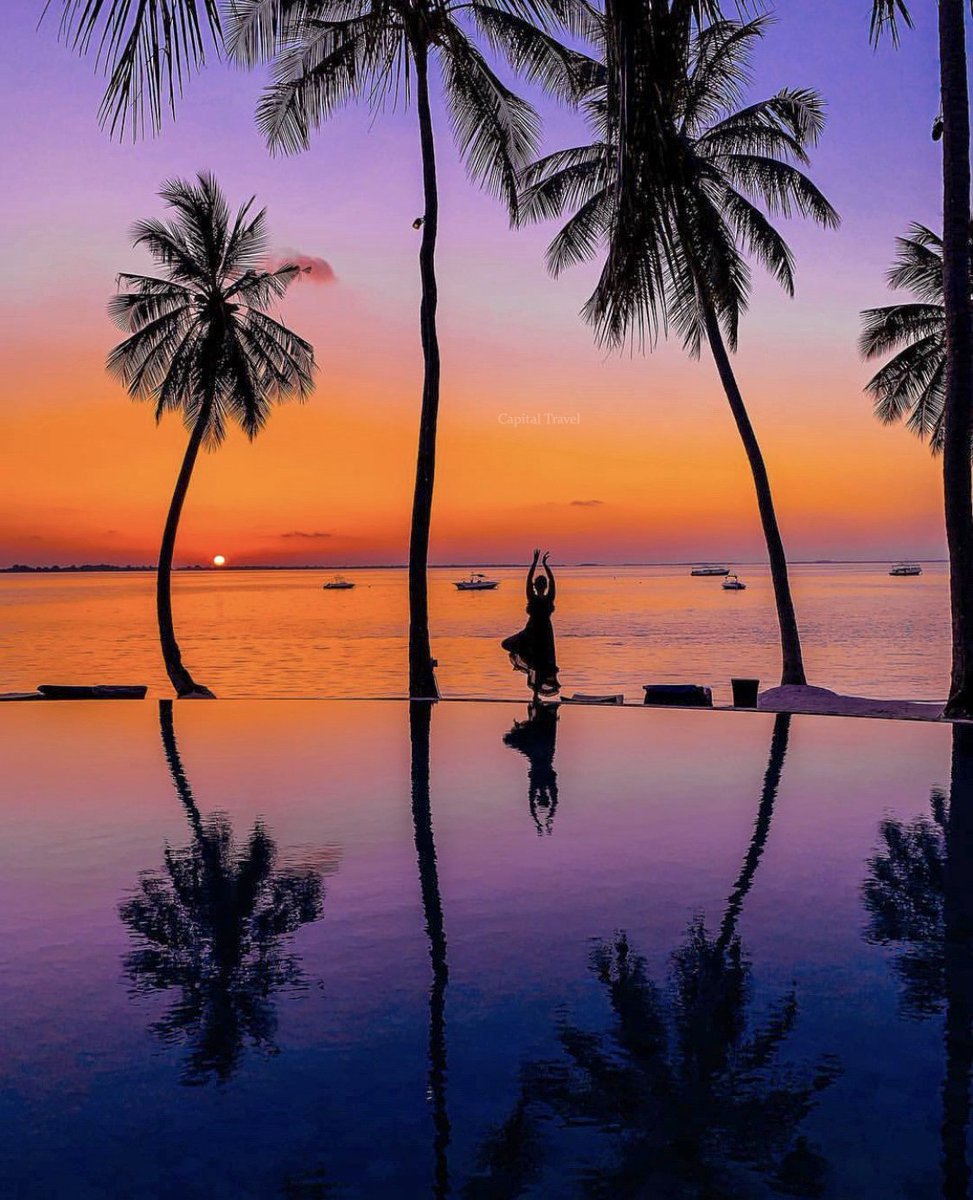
495 130
886 329
536 55
147 48
886 15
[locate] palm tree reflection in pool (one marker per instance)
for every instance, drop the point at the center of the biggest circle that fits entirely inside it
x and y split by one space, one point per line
692 1094
919 896
214 926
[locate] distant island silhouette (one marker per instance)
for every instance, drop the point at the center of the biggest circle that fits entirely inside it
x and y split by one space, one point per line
78 568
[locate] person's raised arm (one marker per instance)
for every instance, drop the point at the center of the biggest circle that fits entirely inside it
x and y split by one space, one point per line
551 587
530 574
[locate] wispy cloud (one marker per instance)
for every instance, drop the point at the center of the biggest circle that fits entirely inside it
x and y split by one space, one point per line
313 268
586 503
307 534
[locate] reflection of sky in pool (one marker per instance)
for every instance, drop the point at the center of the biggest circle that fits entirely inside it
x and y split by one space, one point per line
250 957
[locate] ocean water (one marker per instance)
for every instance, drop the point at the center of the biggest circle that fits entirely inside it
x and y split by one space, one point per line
277 633
289 950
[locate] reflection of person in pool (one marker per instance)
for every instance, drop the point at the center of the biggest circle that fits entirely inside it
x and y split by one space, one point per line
532 649
687 1090
536 739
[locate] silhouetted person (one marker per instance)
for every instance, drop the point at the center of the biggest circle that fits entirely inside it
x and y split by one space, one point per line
532 650
536 739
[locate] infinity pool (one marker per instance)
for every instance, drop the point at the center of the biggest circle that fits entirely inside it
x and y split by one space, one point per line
345 949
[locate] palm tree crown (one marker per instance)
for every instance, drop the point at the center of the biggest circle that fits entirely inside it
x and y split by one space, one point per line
328 53
717 162
912 384
201 341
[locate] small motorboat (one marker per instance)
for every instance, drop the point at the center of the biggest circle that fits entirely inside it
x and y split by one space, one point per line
338 584
476 583
706 569
733 584
906 568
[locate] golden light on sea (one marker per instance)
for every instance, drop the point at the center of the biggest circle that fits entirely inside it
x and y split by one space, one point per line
218 560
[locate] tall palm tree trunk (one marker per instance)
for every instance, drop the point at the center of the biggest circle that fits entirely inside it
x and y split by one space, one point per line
182 681
420 717
790 638
422 677
959 348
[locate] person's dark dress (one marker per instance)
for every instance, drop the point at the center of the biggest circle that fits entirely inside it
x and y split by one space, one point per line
532 650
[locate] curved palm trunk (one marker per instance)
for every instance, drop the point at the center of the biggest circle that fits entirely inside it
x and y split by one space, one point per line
182 681
761 828
958 405
420 717
958 968
422 677
177 771
790 638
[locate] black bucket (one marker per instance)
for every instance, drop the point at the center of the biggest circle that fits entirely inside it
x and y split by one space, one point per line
745 692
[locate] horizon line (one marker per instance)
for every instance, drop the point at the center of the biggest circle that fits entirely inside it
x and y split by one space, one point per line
105 568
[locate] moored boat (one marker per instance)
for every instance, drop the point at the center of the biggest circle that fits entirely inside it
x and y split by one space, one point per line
906 568
476 583
338 584
733 584
709 569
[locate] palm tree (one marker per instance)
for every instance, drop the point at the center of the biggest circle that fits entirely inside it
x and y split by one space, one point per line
213 926
920 901
912 384
697 217
201 343
327 53
953 126
691 1093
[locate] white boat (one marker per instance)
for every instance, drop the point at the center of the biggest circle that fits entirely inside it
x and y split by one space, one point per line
476 583
906 568
338 584
709 570
733 584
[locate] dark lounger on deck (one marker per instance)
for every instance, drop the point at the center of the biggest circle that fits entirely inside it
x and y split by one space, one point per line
98 691
678 695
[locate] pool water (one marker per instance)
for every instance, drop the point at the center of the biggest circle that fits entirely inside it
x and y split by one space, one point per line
368 949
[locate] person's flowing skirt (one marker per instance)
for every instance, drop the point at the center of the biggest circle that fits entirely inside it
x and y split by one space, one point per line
532 652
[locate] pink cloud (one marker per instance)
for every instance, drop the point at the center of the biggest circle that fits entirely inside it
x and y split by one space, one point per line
313 268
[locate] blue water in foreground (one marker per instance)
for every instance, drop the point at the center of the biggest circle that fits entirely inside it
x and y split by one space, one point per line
308 949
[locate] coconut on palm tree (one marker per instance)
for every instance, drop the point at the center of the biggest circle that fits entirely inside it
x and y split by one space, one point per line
911 386
679 256
328 53
202 344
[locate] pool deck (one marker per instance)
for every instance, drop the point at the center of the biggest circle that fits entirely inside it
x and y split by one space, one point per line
801 700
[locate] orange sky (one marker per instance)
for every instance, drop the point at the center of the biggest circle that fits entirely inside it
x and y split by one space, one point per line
654 458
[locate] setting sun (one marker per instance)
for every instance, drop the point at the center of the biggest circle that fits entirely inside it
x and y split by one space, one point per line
218 560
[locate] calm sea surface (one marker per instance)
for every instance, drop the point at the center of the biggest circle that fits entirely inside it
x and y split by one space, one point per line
277 633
